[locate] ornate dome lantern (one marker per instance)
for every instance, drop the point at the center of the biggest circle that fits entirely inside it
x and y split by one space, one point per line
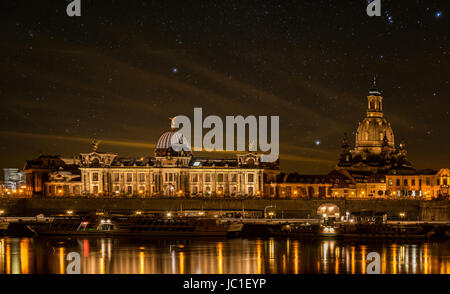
374 128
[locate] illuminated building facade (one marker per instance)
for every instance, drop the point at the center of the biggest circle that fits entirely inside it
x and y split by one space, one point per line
13 182
374 168
427 184
375 150
168 174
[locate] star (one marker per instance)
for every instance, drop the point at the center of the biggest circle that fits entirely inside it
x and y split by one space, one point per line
438 14
175 70
318 143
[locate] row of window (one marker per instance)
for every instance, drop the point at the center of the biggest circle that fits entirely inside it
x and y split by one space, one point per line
414 182
195 190
172 177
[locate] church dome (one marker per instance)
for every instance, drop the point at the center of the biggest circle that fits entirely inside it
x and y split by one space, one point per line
371 132
170 141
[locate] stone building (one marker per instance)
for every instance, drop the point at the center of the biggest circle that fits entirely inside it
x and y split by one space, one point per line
422 184
168 174
38 173
13 182
375 150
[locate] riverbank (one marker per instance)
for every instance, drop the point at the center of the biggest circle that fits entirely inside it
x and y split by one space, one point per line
284 208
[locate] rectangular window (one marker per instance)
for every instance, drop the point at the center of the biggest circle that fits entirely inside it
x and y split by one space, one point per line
95 177
250 178
234 178
130 189
195 178
397 182
390 182
428 181
95 189
413 182
194 190
220 178
405 182
129 177
141 177
420 182
170 177
116 177
437 182
207 178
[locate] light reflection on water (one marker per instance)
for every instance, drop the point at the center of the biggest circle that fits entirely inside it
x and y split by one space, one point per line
228 256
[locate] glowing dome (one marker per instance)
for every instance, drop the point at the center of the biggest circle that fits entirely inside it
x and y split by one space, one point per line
172 143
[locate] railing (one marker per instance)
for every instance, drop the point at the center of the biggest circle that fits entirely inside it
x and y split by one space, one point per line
231 198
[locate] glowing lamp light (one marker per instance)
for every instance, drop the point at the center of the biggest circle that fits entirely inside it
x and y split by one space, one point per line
169 214
2 212
69 212
138 212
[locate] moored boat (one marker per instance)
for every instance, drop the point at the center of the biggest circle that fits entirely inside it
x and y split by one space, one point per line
384 232
141 226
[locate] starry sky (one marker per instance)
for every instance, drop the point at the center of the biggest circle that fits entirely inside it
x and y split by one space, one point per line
121 69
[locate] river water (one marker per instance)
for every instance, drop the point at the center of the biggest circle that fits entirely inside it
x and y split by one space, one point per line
227 256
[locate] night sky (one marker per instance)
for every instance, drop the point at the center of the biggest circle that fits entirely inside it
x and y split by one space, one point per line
121 69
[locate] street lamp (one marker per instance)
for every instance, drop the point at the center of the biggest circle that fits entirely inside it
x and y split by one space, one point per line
265 209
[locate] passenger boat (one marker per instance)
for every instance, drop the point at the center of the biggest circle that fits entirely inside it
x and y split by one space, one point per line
138 226
328 231
3 226
298 231
384 232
